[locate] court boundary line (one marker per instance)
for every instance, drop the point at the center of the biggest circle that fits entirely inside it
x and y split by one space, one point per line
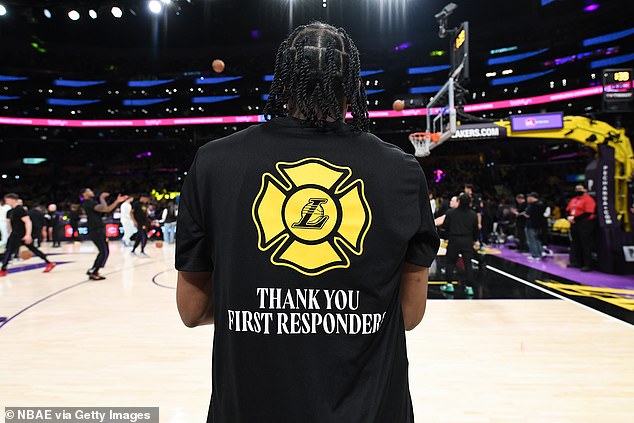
160 285
76 284
555 294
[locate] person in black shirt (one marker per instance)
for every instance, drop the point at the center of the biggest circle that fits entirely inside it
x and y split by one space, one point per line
73 220
520 224
96 228
54 225
443 206
461 226
21 229
36 214
535 223
139 215
475 203
306 241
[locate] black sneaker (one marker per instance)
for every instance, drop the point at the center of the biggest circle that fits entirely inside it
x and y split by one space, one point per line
96 277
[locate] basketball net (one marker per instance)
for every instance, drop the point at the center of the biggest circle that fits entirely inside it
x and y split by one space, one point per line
422 142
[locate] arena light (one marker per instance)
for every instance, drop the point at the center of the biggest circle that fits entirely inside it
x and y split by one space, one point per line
116 12
3 10
503 50
73 15
48 14
92 13
507 71
155 6
519 78
427 69
613 36
514 57
33 160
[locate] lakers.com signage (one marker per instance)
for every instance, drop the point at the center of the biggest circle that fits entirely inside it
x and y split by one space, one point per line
479 131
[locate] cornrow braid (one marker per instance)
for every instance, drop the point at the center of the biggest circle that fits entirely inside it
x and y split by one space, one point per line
316 67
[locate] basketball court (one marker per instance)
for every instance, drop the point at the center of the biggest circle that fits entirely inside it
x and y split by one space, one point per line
510 353
538 340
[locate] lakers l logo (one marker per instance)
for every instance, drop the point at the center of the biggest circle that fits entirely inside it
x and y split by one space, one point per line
312 215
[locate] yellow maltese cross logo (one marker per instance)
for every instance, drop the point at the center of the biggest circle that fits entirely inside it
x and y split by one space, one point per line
312 216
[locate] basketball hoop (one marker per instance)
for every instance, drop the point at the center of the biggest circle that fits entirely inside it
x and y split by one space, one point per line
422 142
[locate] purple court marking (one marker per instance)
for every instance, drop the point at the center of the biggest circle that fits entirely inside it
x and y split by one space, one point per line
33 266
7 320
41 300
158 284
556 265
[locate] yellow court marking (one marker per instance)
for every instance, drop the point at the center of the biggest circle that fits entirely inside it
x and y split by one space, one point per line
612 296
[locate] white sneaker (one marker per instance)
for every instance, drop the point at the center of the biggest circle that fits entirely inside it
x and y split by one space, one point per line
144 255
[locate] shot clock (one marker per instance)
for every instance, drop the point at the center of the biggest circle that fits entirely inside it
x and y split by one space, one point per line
618 90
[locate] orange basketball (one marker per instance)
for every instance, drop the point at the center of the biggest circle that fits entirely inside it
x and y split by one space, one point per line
218 65
398 105
159 244
25 254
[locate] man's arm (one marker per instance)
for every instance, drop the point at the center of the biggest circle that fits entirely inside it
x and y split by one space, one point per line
413 294
194 298
103 207
28 228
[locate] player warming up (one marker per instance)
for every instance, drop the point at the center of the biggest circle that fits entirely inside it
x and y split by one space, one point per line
21 227
96 228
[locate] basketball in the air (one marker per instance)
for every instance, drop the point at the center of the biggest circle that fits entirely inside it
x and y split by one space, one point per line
398 105
25 254
218 66
159 244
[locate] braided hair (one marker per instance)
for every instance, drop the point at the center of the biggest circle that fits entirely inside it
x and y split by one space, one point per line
316 67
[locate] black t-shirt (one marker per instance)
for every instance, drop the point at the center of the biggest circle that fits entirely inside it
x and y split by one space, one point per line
139 210
475 202
38 222
461 222
54 218
95 222
535 212
17 225
305 231
521 219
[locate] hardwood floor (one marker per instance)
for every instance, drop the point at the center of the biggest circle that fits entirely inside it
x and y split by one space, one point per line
120 342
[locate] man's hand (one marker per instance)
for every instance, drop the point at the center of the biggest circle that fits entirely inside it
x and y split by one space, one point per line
104 195
121 198
27 239
476 245
571 219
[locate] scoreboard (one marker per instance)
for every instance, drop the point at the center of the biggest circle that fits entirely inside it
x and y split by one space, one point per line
618 90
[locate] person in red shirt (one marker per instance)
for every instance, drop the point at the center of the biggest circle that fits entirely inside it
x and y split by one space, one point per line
581 215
